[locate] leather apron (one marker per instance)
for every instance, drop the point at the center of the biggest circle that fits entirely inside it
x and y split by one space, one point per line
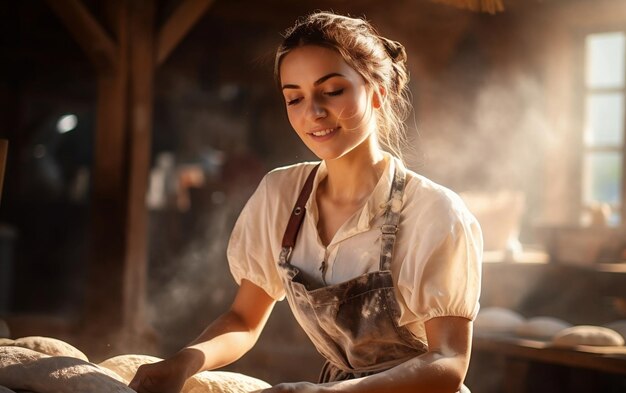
354 324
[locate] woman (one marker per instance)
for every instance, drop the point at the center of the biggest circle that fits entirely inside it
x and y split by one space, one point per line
380 266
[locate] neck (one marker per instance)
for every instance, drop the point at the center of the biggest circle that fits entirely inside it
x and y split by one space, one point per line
352 177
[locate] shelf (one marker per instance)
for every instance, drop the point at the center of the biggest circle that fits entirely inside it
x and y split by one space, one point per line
538 259
605 359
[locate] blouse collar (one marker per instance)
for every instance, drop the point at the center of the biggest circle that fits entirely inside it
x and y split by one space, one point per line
375 204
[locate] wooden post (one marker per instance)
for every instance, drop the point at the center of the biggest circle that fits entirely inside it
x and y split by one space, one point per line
125 66
142 66
109 210
107 273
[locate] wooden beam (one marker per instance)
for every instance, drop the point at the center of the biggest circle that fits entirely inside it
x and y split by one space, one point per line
92 38
178 25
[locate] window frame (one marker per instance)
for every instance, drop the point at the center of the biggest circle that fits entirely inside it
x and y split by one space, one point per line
583 92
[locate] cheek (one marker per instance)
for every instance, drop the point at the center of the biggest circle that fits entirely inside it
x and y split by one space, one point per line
294 118
353 107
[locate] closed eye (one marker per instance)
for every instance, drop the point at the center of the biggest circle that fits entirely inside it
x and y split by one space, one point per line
294 101
334 93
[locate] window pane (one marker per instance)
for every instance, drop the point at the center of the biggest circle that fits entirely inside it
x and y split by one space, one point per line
605 60
603 175
604 123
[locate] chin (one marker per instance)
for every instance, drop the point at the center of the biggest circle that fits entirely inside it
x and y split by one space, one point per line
329 156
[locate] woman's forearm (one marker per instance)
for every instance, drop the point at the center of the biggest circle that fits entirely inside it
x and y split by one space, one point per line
432 372
221 343
231 335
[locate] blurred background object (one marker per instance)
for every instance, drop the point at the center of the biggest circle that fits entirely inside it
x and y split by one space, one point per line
500 217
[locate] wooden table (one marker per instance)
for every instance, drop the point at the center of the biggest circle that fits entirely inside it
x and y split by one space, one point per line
576 369
605 359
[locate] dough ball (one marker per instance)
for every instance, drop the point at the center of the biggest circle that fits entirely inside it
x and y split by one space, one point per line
25 369
223 382
497 320
126 365
618 326
5 332
588 335
6 342
205 382
541 327
15 355
47 345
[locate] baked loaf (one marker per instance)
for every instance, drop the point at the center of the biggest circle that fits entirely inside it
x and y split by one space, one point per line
46 345
25 369
588 335
497 320
541 328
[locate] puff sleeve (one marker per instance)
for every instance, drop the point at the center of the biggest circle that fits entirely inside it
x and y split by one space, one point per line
441 274
251 248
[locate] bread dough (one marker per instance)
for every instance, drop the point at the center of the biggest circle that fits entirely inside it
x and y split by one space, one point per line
205 382
541 328
126 365
47 345
223 382
497 320
618 326
588 335
25 369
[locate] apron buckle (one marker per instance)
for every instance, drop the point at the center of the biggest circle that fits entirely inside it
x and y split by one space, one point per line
389 229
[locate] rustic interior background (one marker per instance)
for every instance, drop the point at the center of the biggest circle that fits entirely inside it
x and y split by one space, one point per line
494 111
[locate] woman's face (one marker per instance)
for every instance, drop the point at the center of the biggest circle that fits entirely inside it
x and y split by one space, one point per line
328 102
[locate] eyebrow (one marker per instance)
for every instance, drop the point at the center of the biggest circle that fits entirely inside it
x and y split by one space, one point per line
317 82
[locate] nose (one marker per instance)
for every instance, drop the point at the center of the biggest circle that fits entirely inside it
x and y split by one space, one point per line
317 110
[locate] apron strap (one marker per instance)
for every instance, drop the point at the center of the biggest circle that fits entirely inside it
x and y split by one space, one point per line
297 216
392 217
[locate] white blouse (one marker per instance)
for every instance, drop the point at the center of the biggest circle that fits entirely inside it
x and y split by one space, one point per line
437 257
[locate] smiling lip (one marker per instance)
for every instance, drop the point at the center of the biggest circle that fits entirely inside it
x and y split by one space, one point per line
323 133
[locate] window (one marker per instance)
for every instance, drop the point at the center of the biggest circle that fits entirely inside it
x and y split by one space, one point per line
604 114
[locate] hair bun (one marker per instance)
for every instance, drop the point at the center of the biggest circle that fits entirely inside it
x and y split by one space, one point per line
394 49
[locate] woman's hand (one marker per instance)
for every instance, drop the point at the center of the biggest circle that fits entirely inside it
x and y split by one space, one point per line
162 377
226 340
296 387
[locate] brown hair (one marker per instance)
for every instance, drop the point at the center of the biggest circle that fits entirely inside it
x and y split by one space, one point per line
380 61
